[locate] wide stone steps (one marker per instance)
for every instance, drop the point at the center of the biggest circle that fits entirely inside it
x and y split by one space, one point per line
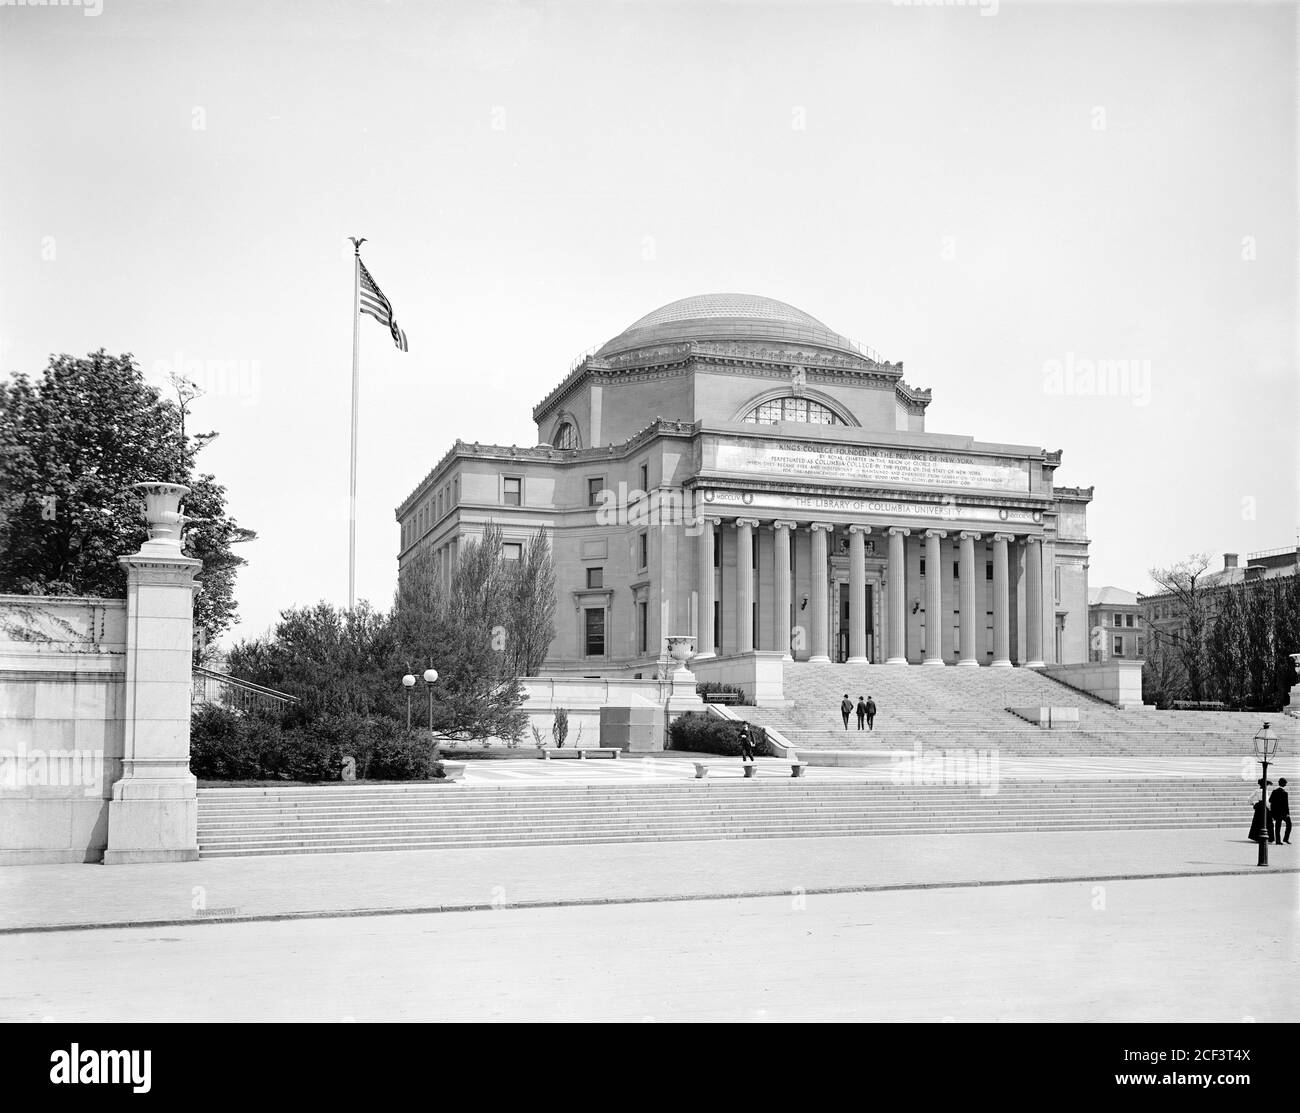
243 822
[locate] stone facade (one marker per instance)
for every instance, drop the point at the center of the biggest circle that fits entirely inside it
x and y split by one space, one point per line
730 468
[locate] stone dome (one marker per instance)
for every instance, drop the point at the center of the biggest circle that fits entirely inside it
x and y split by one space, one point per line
726 317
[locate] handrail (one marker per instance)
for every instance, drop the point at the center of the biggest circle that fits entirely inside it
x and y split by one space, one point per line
209 686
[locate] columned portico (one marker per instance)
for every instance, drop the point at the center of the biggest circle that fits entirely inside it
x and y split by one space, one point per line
1001 602
897 592
745 574
969 618
934 597
820 592
858 594
704 613
782 531
1034 602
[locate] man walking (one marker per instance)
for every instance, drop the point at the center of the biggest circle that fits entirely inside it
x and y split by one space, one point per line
871 713
862 711
1279 812
846 709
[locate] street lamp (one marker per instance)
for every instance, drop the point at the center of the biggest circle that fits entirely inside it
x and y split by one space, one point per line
408 682
430 678
1266 746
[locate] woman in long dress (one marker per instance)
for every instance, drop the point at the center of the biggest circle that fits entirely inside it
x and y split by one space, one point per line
1257 818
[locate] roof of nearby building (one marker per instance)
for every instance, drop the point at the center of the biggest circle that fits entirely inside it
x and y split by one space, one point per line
1111 597
727 317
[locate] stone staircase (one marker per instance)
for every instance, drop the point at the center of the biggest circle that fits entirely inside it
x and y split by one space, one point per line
959 707
328 819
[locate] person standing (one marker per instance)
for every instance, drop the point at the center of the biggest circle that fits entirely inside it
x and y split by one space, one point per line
871 713
746 743
1258 827
1279 812
846 709
862 711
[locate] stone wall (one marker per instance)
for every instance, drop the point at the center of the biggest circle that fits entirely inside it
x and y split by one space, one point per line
62 689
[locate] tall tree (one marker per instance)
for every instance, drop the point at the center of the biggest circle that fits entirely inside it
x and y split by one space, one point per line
72 442
1187 640
530 620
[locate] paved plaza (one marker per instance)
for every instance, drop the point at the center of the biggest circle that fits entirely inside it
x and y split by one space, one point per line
1148 950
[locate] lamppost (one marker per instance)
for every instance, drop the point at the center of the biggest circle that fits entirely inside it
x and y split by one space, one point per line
1266 746
430 678
408 682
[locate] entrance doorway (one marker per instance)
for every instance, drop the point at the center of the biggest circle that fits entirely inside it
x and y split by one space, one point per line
843 640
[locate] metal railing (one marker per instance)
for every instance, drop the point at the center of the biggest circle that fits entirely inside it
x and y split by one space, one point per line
210 686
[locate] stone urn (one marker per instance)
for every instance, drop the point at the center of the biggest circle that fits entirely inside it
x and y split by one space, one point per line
162 512
681 648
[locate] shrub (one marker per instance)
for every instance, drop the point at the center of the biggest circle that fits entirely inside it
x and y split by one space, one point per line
221 746
706 686
398 756
703 734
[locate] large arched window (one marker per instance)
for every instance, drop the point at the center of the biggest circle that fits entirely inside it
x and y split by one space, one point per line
792 409
566 436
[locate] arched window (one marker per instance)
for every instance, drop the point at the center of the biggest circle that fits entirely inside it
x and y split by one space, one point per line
566 436
792 409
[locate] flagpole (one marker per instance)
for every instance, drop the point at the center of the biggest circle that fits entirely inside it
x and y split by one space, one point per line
352 480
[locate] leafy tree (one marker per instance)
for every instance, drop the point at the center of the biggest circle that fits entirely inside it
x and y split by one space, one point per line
1230 647
530 618
1187 641
72 442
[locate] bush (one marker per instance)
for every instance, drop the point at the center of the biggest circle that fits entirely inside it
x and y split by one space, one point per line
706 686
398 756
221 746
703 734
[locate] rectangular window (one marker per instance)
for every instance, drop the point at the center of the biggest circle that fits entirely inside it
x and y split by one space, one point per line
595 577
1117 619
512 490
642 627
512 550
956 570
1058 584
595 632
988 570
595 485
1141 647
1119 647
717 550
1128 621
645 477
923 573
643 550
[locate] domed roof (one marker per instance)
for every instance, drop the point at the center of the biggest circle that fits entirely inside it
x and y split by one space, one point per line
726 317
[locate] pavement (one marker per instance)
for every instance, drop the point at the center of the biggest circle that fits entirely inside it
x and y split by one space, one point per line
225 890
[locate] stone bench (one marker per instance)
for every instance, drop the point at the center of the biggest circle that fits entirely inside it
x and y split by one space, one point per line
750 767
550 752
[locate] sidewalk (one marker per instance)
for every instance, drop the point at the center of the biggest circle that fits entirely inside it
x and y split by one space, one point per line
34 898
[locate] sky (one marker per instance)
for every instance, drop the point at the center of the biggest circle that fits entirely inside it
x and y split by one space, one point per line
997 196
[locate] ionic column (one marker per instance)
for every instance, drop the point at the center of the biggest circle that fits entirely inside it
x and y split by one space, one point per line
820 592
933 597
1034 601
704 617
782 623
897 597
858 594
969 619
1001 602
745 574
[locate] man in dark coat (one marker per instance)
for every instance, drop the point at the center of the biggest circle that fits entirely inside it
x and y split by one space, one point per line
871 713
1279 812
846 709
862 711
747 751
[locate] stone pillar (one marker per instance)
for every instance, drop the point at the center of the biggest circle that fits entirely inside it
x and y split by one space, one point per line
1034 602
970 619
1001 603
858 594
820 592
897 597
153 815
934 597
704 617
782 532
745 574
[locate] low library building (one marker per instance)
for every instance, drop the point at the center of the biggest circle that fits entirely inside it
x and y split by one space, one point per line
729 468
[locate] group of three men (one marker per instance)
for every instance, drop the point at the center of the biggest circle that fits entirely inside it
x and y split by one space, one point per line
866 711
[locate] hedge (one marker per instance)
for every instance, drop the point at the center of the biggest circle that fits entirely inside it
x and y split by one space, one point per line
702 734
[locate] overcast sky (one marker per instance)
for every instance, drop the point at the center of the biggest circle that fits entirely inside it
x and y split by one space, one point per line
991 198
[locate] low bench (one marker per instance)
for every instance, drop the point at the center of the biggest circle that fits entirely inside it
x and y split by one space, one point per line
549 752
750 767
721 697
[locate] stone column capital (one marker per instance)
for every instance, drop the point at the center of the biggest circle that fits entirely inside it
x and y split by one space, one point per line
827 526
855 528
1004 537
899 531
781 523
751 522
1033 539
709 520
936 533
970 535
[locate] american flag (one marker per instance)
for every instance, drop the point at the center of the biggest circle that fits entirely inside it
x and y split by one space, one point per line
374 303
